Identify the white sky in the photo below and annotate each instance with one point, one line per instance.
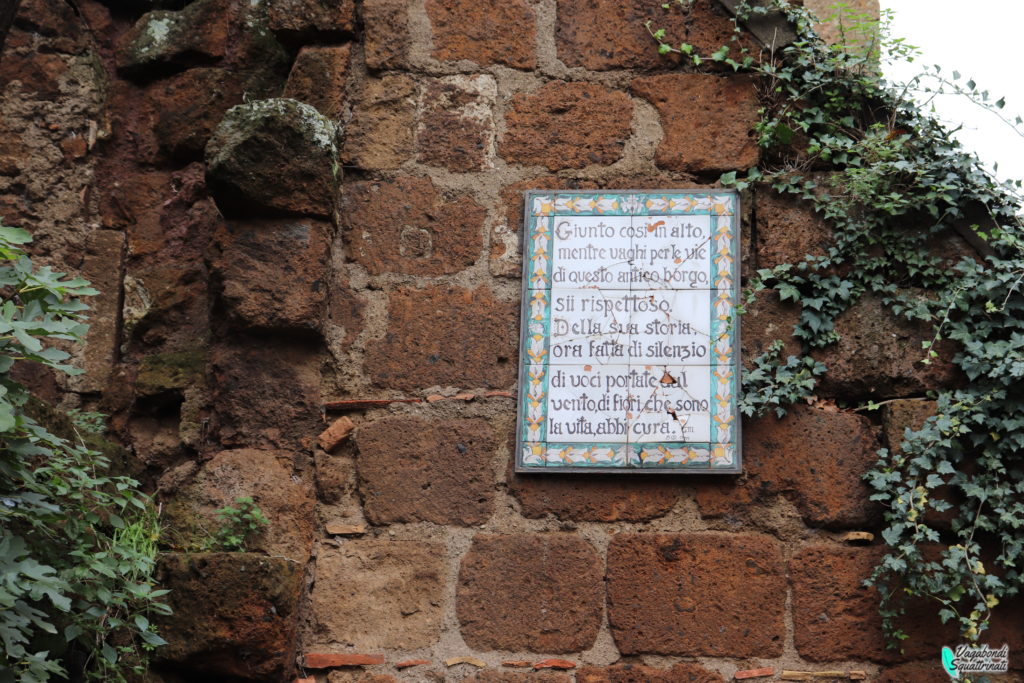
(981, 39)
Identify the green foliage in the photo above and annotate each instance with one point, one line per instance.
(892, 181)
(77, 543)
(239, 524)
(91, 422)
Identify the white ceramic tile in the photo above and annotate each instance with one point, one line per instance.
(591, 252)
(589, 326)
(673, 252)
(674, 405)
(586, 405)
(670, 326)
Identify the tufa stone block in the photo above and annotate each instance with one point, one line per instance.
(445, 473)
(377, 594)
(816, 458)
(684, 672)
(445, 336)
(386, 35)
(456, 128)
(502, 604)
(380, 134)
(311, 21)
(712, 595)
(708, 121)
(486, 33)
(406, 226)
(318, 78)
(234, 615)
(188, 106)
(567, 125)
(275, 154)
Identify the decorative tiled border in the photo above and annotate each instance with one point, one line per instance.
(533, 452)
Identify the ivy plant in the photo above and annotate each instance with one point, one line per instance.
(77, 542)
(891, 181)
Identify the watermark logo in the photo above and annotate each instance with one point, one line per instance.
(974, 659)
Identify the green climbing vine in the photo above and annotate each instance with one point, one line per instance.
(891, 181)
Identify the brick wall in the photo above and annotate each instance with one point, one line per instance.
(329, 324)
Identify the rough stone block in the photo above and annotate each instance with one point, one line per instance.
(234, 615)
(266, 477)
(266, 393)
(814, 457)
(308, 21)
(836, 617)
(709, 595)
(335, 479)
(275, 154)
(377, 594)
(445, 474)
(188, 106)
(380, 133)
(162, 39)
(446, 336)
(589, 499)
(495, 33)
(103, 266)
(767, 320)
(456, 129)
(406, 226)
(534, 593)
(38, 76)
(903, 415)
(273, 274)
(611, 34)
(386, 36)
(878, 356)
(708, 121)
(567, 125)
(318, 78)
(684, 672)
(787, 230)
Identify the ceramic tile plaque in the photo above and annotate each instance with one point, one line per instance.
(629, 343)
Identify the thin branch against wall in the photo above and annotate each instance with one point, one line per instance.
(8, 8)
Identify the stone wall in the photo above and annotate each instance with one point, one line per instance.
(314, 301)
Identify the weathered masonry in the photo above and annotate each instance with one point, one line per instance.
(306, 221)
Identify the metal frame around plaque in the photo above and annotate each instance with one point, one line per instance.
(654, 390)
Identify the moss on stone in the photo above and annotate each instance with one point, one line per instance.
(169, 371)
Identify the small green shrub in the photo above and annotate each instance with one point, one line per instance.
(239, 524)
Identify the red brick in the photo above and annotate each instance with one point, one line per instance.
(319, 660)
(307, 21)
(708, 121)
(554, 664)
(567, 125)
(745, 674)
(380, 134)
(611, 34)
(411, 662)
(445, 336)
(710, 595)
(683, 672)
(788, 230)
(456, 129)
(386, 36)
(446, 473)
(486, 33)
(878, 356)
(589, 499)
(407, 226)
(377, 594)
(318, 78)
(503, 603)
(814, 457)
(235, 615)
(339, 430)
(272, 274)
